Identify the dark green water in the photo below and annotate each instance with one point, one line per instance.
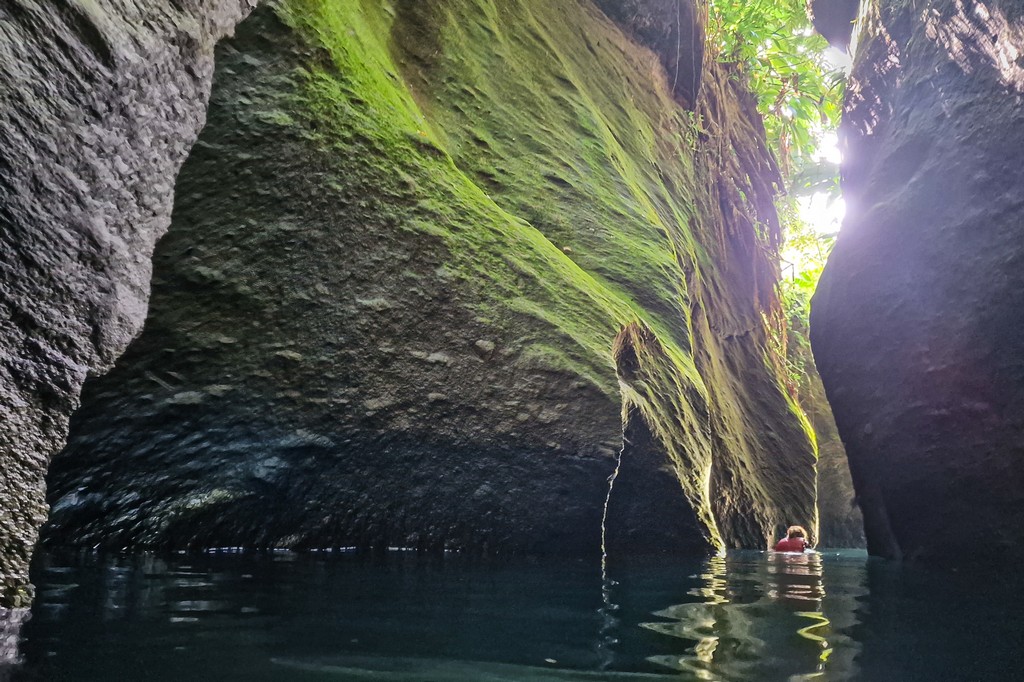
(749, 616)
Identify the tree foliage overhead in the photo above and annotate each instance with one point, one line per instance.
(800, 95)
(774, 44)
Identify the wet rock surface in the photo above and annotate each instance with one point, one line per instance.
(356, 337)
(916, 323)
(99, 104)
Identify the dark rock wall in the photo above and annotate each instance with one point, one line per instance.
(99, 104)
(916, 325)
(759, 433)
(402, 250)
(314, 371)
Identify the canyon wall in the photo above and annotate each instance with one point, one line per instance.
(916, 322)
(99, 105)
(428, 262)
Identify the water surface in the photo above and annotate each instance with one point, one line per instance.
(400, 617)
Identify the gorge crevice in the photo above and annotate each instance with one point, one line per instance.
(489, 364)
(401, 251)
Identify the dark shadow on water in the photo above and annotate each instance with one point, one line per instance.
(746, 616)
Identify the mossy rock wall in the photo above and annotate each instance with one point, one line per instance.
(402, 251)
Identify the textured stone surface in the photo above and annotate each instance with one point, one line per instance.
(11, 622)
(99, 103)
(356, 337)
(916, 325)
(674, 30)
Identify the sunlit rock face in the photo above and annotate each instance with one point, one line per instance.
(99, 104)
(917, 323)
(402, 251)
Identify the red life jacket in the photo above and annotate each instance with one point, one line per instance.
(791, 545)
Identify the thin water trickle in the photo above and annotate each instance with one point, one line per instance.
(606, 640)
(604, 514)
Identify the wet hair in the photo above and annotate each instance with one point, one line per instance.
(796, 532)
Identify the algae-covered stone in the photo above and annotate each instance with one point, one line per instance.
(425, 166)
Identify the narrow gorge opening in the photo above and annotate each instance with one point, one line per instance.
(337, 299)
(436, 267)
(324, 363)
(313, 267)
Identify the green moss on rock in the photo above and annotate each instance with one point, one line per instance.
(449, 211)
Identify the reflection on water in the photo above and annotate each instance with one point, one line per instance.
(760, 617)
(746, 616)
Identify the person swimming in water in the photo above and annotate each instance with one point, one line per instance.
(795, 540)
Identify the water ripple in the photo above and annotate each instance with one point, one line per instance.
(758, 617)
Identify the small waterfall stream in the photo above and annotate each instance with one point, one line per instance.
(606, 640)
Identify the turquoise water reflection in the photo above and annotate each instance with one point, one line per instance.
(763, 617)
(402, 618)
